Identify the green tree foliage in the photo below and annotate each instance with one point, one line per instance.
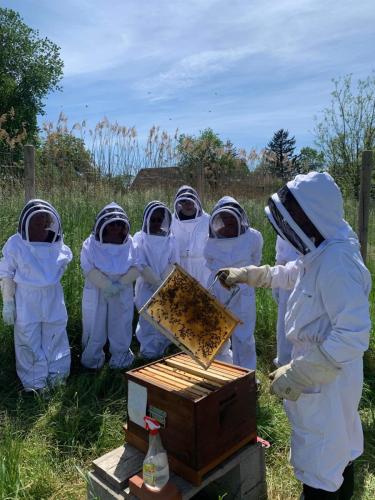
(30, 68)
(309, 159)
(280, 155)
(347, 127)
(65, 155)
(209, 155)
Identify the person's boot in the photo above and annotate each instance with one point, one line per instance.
(310, 493)
(346, 490)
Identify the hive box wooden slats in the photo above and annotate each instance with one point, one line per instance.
(209, 414)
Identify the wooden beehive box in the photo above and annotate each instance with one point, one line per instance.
(185, 312)
(206, 415)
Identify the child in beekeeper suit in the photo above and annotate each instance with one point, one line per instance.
(232, 242)
(156, 252)
(190, 229)
(284, 253)
(109, 266)
(34, 260)
(328, 323)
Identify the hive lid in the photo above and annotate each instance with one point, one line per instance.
(193, 319)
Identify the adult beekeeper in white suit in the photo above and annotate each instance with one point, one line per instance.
(284, 253)
(327, 320)
(34, 260)
(156, 253)
(232, 242)
(109, 265)
(190, 229)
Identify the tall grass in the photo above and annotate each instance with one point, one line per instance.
(47, 445)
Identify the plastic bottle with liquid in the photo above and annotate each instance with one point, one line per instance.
(155, 464)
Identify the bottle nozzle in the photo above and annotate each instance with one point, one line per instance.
(152, 425)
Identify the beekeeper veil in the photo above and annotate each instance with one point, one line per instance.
(229, 201)
(157, 219)
(45, 215)
(187, 205)
(307, 211)
(109, 214)
(227, 222)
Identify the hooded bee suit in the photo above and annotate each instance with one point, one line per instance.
(243, 249)
(155, 254)
(191, 234)
(107, 310)
(327, 321)
(40, 338)
(284, 253)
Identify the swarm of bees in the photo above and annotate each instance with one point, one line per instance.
(184, 310)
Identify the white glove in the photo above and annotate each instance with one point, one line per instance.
(8, 290)
(275, 294)
(9, 312)
(99, 279)
(315, 368)
(167, 271)
(252, 275)
(129, 277)
(112, 290)
(150, 277)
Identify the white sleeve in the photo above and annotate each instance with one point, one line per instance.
(8, 263)
(86, 262)
(285, 276)
(345, 297)
(258, 247)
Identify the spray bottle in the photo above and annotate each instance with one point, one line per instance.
(155, 464)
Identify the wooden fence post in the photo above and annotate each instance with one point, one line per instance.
(364, 201)
(29, 166)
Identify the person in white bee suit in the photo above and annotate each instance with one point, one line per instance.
(327, 321)
(190, 229)
(232, 242)
(156, 253)
(284, 253)
(109, 265)
(34, 260)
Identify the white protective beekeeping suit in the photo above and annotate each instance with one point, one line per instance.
(327, 321)
(191, 234)
(155, 254)
(40, 317)
(242, 250)
(108, 304)
(284, 253)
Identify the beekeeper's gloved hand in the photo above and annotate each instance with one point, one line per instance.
(166, 272)
(129, 277)
(9, 312)
(8, 289)
(275, 294)
(150, 277)
(112, 290)
(315, 368)
(101, 281)
(252, 275)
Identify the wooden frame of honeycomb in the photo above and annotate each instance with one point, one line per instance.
(193, 319)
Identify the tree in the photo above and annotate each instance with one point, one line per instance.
(280, 154)
(347, 127)
(66, 155)
(30, 68)
(207, 154)
(309, 159)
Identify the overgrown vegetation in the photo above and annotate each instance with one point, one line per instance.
(46, 446)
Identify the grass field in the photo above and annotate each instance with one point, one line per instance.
(46, 446)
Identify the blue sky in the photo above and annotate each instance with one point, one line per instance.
(244, 68)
